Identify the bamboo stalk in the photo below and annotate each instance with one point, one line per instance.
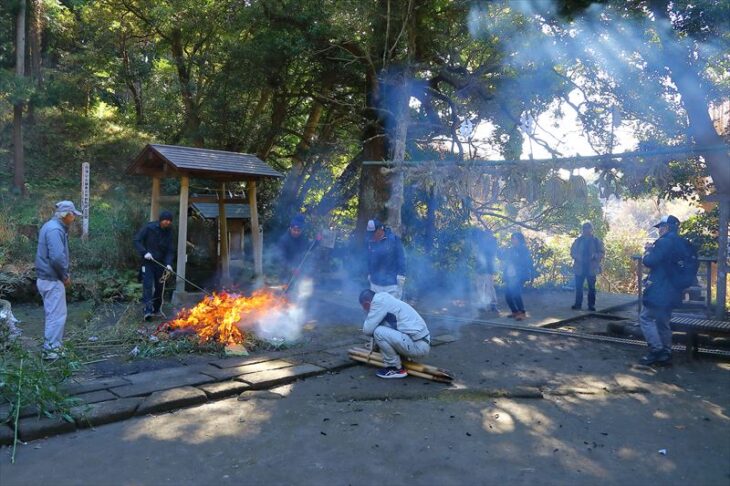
(416, 366)
(419, 374)
(409, 365)
(17, 413)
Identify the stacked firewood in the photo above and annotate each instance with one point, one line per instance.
(414, 369)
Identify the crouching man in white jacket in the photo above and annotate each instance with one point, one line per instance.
(397, 329)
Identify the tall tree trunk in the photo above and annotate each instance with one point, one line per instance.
(289, 190)
(688, 81)
(187, 91)
(18, 153)
(131, 83)
(395, 201)
(279, 111)
(35, 32)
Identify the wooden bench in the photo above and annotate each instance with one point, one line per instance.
(694, 326)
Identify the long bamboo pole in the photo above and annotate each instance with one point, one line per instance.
(410, 365)
(380, 364)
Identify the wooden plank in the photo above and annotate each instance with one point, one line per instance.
(155, 199)
(223, 237)
(256, 239)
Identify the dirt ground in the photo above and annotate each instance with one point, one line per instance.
(600, 420)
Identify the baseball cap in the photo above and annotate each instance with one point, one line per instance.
(373, 224)
(667, 220)
(67, 207)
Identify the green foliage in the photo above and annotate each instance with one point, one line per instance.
(701, 231)
(26, 380)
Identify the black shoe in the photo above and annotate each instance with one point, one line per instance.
(660, 358)
(575, 307)
(591, 308)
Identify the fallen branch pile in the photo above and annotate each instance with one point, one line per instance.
(414, 369)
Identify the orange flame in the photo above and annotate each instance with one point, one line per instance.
(221, 316)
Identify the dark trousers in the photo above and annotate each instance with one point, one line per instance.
(591, 279)
(152, 287)
(513, 296)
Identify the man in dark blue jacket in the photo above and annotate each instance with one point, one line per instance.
(386, 260)
(154, 243)
(292, 246)
(660, 295)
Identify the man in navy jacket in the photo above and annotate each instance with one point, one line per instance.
(386, 260)
(154, 243)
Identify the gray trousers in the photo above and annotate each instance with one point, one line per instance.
(393, 344)
(54, 304)
(655, 324)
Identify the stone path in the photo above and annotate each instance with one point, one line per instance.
(108, 400)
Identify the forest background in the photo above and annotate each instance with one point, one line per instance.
(318, 89)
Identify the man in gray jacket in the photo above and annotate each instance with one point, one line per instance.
(52, 270)
(398, 330)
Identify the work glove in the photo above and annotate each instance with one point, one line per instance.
(401, 279)
(169, 268)
(148, 256)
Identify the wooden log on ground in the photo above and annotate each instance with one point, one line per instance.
(407, 364)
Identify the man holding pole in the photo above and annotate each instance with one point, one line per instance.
(397, 329)
(154, 243)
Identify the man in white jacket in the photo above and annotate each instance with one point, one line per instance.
(398, 330)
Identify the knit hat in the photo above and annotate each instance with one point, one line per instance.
(165, 215)
(297, 221)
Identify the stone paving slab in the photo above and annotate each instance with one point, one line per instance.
(226, 373)
(33, 428)
(164, 401)
(224, 389)
(6, 435)
(24, 412)
(152, 381)
(443, 339)
(248, 360)
(96, 396)
(328, 361)
(269, 378)
(105, 412)
(94, 385)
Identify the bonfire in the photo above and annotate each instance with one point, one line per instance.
(223, 317)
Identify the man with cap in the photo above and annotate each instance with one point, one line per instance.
(154, 243)
(587, 252)
(292, 248)
(52, 264)
(660, 295)
(386, 260)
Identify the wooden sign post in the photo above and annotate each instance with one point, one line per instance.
(85, 174)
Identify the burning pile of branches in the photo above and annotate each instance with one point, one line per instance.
(222, 317)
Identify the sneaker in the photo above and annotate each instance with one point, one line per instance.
(521, 316)
(50, 355)
(391, 372)
(147, 316)
(575, 307)
(591, 308)
(656, 358)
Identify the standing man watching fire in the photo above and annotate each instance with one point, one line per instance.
(386, 260)
(397, 329)
(155, 245)
(587, 252)
(52, 262)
